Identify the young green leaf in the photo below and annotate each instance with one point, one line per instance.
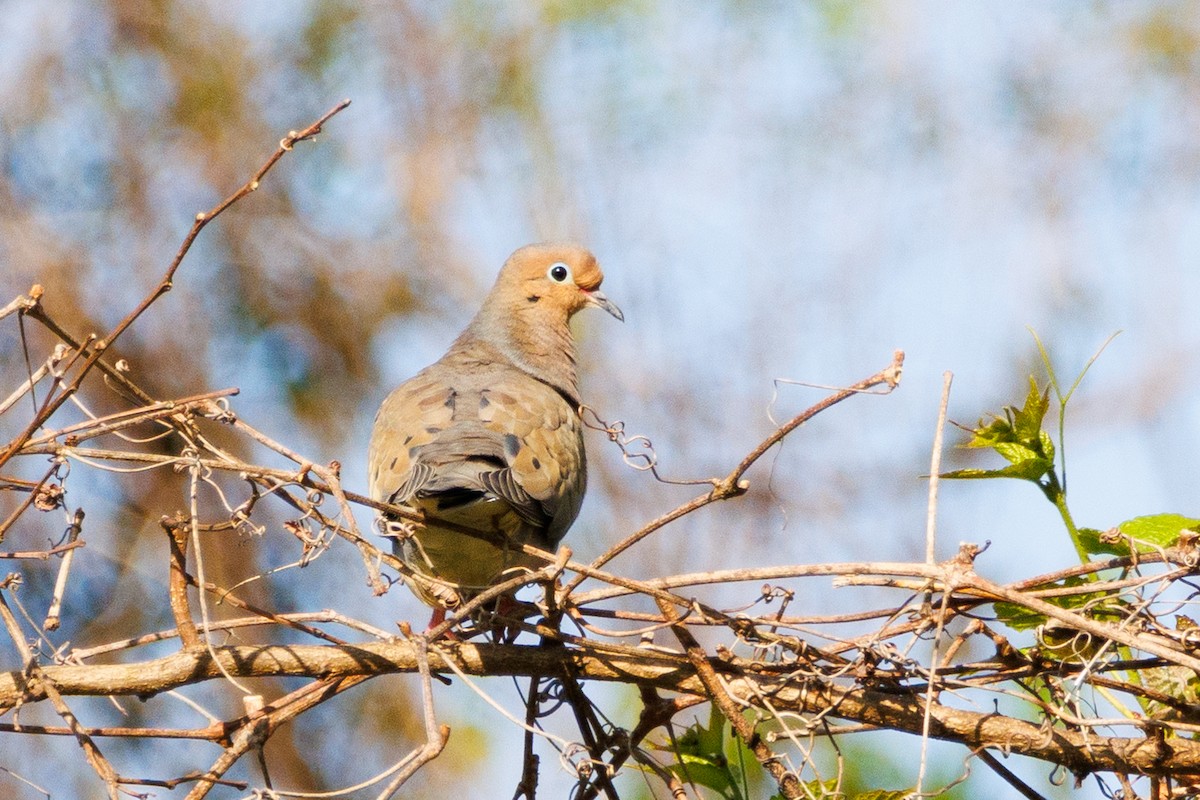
(1096, 543)
(1027, 423)
(1020, 618)
(1148, 534)
(701, 758)
(1018, 438)
(1161, 530)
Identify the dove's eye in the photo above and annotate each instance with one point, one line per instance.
(559, 272)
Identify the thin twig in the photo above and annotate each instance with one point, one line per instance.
(90, 429)
(34, 671)
(789, 784)
(592, 733)
(931, 690)
(177, 582)
(527, 785)
(64, 569)
(254, 730)
(42, 555)
(732, 484)
(22, 303)
(1008, 775)
(260, 618)
(48, 366)
(436, 735)
(34, 493)
(935, 470)
(95, 348)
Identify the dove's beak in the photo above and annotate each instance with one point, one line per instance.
(598, 300)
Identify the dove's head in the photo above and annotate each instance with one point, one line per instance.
(524, 318)
(557, 279)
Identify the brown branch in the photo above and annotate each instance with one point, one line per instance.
(34, 493)
(26, 387)
(210, 733)
(293, 621)
(257, 727)
(732, 484)
(527, 785)
(260, 618)
(94, 349)
(64, 569)
(889, 376)
(1091, 568)
(303, 478)
(33, 672)
(90, 429)
(22, 303)
(768, 574)
(1147, 643)
(158, 675)
(1010, 777)
(899, 710)
(954, 575)
(203, 218)
(595, 741)
(178, 580)
(43, 555)
(436, 735)
(789, 784)
(119, 380)
(656, 712)
(334, 481)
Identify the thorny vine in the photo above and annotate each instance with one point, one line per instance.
(783, 682)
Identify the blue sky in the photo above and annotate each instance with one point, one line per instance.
(775, 190)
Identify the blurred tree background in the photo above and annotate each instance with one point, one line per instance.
(776, 190)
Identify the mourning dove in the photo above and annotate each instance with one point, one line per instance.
(489, 437)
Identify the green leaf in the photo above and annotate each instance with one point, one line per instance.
(1020, 618)
(988, 435)
(700, 756)
(1018, 438)
(1047, 446)
(1159, 529)
(1027, 423)
(976, 474)
(1015, 453)
(1178, 682)
(1148, 534)
(1093, 541)
(1029, 470)
(885, 794)
(700, 740)
(1063, 643)
(825, 788)
(705, 772)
